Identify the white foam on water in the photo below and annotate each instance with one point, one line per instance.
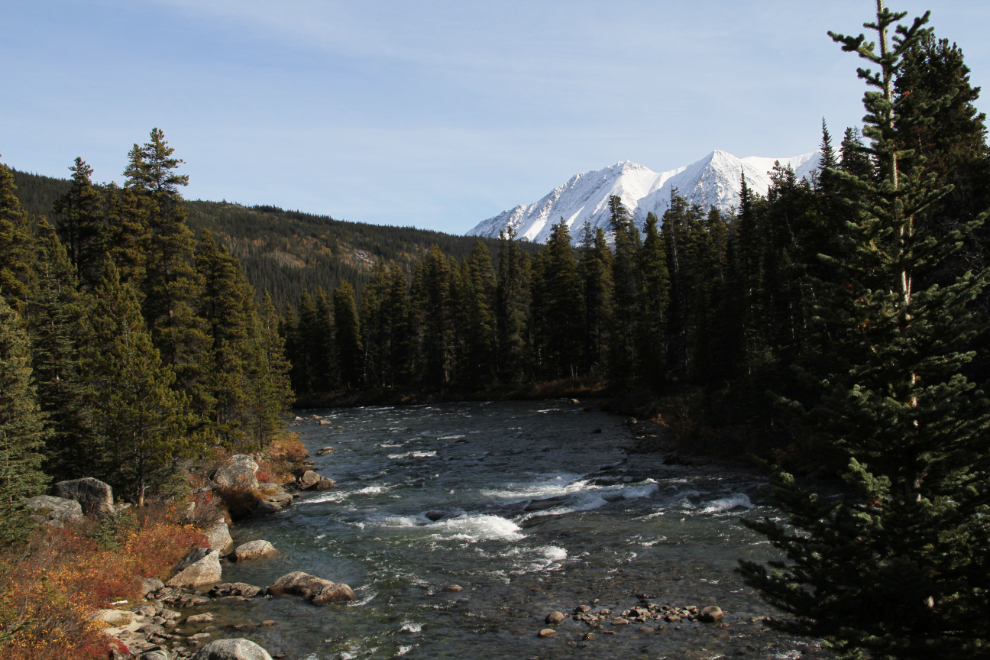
(404, 649)
(410, 627)
(477, 527)
(645, 489)
(451, 437)
(548, 486)
(385, 445)
(733, 501)
(372, 490)
(534, 560)
(413, 454)
(389, 520)
(364, 599)
(334, 496)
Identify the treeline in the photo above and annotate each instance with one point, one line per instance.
(125, 344)
(284, 252)
(724, 302)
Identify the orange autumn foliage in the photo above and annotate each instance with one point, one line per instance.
(50, 588)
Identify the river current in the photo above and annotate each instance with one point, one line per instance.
(530, 510)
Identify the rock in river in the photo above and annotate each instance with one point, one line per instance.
(555, 617)
(232, 649)
(712, 614)
(200, 566)
(254, 550)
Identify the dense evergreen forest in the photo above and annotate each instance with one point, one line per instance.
(125, 344)
(284, 252)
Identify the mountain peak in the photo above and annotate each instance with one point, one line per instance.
(712, 181)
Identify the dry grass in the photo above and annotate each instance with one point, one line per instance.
(49, 588)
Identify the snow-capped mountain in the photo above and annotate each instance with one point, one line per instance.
(712, 181)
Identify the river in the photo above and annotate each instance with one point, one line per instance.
(530, 510)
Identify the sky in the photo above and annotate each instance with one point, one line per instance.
(435, 114)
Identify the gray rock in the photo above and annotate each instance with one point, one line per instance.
(150, 585)
(232, 649)
(55, 511)
(299, 584)
(309, 479)
(238, 472)
(94, 496)
(200, 566)
(254, 550)
(555, 617)
(267, 507)
(338, 593)
(283, 499)
(218, 536)
(155, 654)
(235, 589)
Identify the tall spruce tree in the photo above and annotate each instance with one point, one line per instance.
(81, 224)
(15, 245)
(141, 419)
(273, 387)
(347, 336)
(901, 570)
(22, 429)
(563, 306)
(622, 356)
(654, 299)
(596, 275)
(55, 329)
(510, 310)
(171, 286)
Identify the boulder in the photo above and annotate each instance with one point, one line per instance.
(338, 593)
(281, 498)
(240, 471)
(712, 614)
(235, 589)
(94, 496)
(156, 654)
(267, 507)
(218, 536)
(299, 584)
(554, 617)
(309, 479)
(232, 649)
(55, 511)
(200, 566)
(325, 484)
(254, 550)
(326, 422)
(150, 585)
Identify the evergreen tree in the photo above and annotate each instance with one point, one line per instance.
(15, 245)
(56, 325)
(479, 303)
(622, 356)
(400, 342)
(510, 310)
(81, 224)
(347, 333)
(437, 334)
(375, 323)
(22, 428)
(127, 234)
(563, 309)
(141, 419)
(654, 298)
(273, 387)
(901, 571)
(596, 275)
(171, 286)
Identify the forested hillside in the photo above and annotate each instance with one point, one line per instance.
(285, 252)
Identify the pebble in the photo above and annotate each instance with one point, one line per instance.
(454, 588)
(548, 632)
(555, 617)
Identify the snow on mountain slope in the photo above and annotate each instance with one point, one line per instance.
(712, 181)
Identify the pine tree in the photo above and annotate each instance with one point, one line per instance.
(563, 305)
(654, 299)
(81, 224)
(347, 335)
(400, 341)
(273, 388)
(622, 356)
(901, 570)
(55, 329)
(171, 286)
(479, 305)
(510, 310)
(127, 234)
(141, 419)
(22, 428)
(15, 245)
(436, 319)
(596, 275)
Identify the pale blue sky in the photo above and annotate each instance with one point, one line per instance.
(437, 114)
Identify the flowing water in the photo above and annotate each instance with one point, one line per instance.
(530, 511)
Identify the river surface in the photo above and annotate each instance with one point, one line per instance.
(535, 512)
